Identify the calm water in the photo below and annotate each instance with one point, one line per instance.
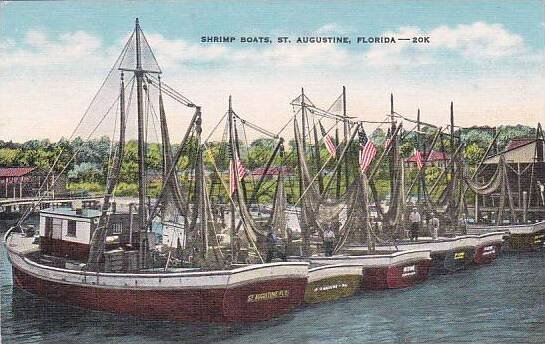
(500, 303)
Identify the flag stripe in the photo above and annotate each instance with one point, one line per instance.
(418, 157)
(367, 154)
(387, 142)
(240, 170)
(329, 144)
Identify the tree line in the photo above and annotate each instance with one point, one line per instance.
(85, 162)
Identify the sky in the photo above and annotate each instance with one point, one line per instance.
(485, 56)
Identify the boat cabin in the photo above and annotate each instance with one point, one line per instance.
(67, 232)
(173, 235)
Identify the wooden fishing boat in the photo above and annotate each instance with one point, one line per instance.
(385, 271)
(447, 254)
(250, 293)
(518, 237)
(332, 282)
(488, 248)
(108, 261)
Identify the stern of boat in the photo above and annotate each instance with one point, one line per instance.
(263, 291)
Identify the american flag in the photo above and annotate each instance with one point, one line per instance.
(329, 144)
(418, 157)
(367, 154)
(240, 170)
(387, 142)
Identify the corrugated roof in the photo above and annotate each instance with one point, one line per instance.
(515, 143)
(6, 172)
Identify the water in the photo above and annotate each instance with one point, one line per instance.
(500, 303)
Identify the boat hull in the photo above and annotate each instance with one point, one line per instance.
(184, 305)
(263, 300)
(486, 254)
(489, 247)
(251, 293)
(526, 237)
(527, 242)
(386, 271)
(458, 259)
(447, 254)
(249, 303)
(394, 277)
(332, 282)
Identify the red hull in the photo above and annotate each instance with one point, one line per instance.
(393, 277)
(246, 303)
(252, 302)
(487, 253)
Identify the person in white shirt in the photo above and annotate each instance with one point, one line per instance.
(541, 191)
(414, 219)
(329, 240)
(434, 224)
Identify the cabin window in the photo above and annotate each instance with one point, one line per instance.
(71, 228)
(117, 228)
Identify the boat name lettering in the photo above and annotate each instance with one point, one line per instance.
(269, 295)
(459, 255)
(489, 250)
(409, 271)
(331, 287)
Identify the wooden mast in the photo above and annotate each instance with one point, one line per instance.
(393, 145)
(345, 127)
(303, 119)
(141, 135)
(232, 166)
(142, 218)
(420, 181)
(338, 175)
(304, 231)
(452, 141)
(318, 160)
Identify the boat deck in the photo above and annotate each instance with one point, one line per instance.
(21, 244)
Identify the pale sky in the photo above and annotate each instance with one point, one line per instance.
(487, 57)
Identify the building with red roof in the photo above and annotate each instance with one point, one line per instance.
(433, 158)
(16, 182)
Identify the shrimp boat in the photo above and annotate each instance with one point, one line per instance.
(348, 214)
(106, 260)
(449, 254)
(518, 237)
(385, 271)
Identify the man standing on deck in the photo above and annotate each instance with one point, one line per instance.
(329, 240)
(414, 218)
(434, 224)
(541, 187)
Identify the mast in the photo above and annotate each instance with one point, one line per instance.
(304, 233)
(392, 144)
(318, 160)
(139, 73)
(303, 120)
(345, 128)
(237, 150)
(420, 186)
(232, 166)
(338, 176)
(452, 142)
